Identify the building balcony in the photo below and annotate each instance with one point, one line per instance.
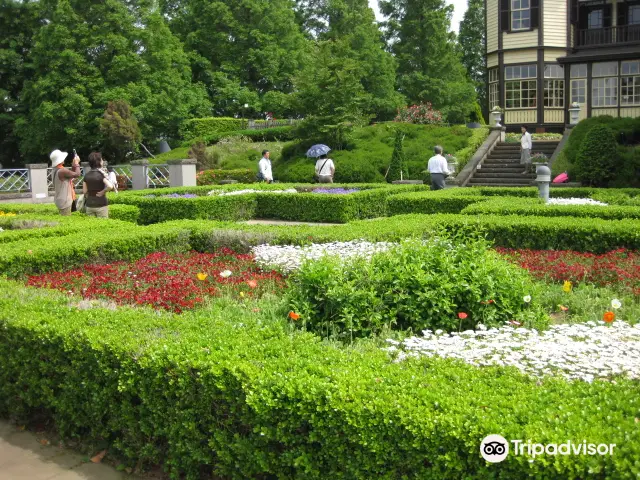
(598, 37)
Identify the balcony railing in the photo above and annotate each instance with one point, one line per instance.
(594, 37)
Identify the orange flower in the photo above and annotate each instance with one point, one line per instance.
(252, 283)
(202, 276)
(563, 308)
(294, 316)
(609, 317)
(462, 315)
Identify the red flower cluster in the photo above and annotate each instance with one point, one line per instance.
(617, 269)
(174, 282)
(420, 114)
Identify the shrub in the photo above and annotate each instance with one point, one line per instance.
(396, 167)
(275, 134)
(463, 155)
(213, 177)
(422, 114)
(126, 213)
(419, 285)
(203, 127)
(205, 159)
(120, 130)
(596, 160)
(430, 203)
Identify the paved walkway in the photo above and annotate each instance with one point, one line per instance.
(24, 457)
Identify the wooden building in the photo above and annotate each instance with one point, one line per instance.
(543, 55)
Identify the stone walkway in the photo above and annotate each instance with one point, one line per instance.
(24, 457)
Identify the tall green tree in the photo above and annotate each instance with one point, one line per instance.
(241, 49)
(18, 24)
(473, 42)
(89, 53)
(429, 67)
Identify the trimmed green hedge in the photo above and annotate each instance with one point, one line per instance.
(513, 206)
(230, 393)
(156, 210)
(213, 177)
(126, 213)
(430, 202)
(204, 127)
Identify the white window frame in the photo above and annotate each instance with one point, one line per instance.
(553, 94)
(600, 86)
(494, 88)
(630, 84)
(521, 14)
(521, 78)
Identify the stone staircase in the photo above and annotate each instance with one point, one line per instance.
(502, 167)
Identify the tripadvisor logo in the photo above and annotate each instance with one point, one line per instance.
(495, 448)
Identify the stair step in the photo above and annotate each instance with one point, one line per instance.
(501, 161)
(504, 176)
(501, 181)
(499, 171)
(488, 184)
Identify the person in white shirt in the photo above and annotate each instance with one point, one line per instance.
(525, 149)
(438, 169)
(325, 169)
(113, 179)
(264, 168)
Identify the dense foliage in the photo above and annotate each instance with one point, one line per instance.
(596, 161)
(441, 284)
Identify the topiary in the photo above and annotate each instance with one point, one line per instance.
(597, 157)
(396, 168)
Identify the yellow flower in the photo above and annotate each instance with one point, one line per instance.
(567, 286)
(241, 294)
(202, 276)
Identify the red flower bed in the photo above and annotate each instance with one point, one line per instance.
(174, 282)
(617, 269)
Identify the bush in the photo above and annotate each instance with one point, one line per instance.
(275, 134)
(206, 160)
(126, 213)
(463, 155)
(213, 177)
(419, 285)
(513, 206)
(422, 114)
(429, 203)
(228, 393)
(396, 167)
(203, 127)
(596, 158)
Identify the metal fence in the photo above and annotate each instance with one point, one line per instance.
(15, 180)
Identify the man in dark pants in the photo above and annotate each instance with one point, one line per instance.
(438, 169)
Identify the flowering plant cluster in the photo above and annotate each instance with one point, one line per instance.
(618, 269)
(539, 158)
(7, 214)
(336, 191)
(174, 195)
(422, 114)
(171, 282)
(585, 351)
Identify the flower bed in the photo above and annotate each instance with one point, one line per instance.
(173, 195)
(171, 282)
(617, 269)
(336, 191)
(247, 191)
(576, 352)
(576, 201)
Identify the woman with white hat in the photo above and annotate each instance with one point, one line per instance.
(65, 192)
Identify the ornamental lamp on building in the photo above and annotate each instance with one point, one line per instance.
(574, 113)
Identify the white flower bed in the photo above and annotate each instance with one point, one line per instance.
(575, 201)
(222, 193)
(290, 257)
(577, 352)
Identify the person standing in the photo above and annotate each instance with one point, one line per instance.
(526, 145)
(63, 187)
(264, 168)
(325, 169)
(95, 187)
(113, 179)
(438, 169)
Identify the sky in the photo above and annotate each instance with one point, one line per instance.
(460, 6)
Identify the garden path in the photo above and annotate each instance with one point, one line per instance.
(25, 455)
(286, 223)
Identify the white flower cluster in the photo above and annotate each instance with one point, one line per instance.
(575, 201)
(290, 257)
(585, 351)
(223, 193)
(1, 229)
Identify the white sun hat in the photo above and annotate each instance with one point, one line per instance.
(57, 157)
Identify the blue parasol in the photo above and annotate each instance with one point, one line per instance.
(317, 150)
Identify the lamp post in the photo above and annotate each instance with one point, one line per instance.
(574, 113)
(543, 180)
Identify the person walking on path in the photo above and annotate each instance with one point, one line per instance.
(325, 169)
(438, 169)
(63, 187)
(95, 187)
(264, 168)
(525, 149)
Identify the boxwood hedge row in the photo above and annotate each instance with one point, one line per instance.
(228, 392)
